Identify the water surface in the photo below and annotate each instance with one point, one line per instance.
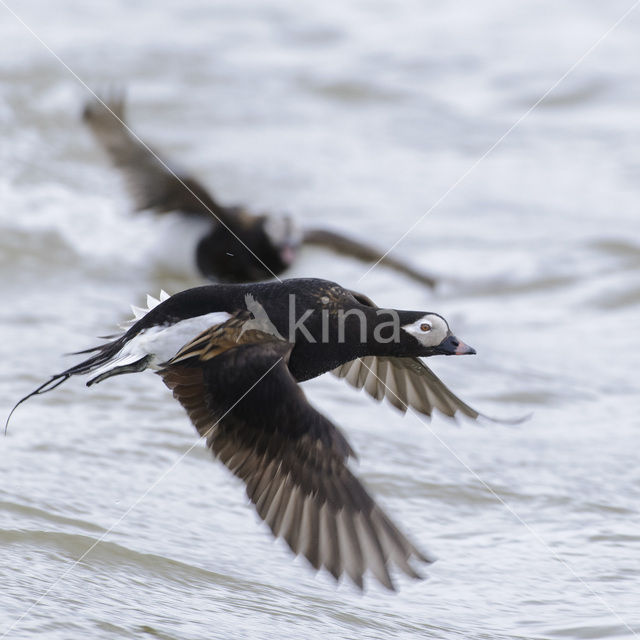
(361, 116)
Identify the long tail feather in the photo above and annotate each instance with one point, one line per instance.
(91, 349)
(102, 354)
(49, 385)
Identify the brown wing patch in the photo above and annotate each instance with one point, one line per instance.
(217, 339)
(291, 458)
(188, 388)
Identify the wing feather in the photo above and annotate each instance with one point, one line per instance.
(344, 245)
(404, 382)
(291, 458)
(151, 182)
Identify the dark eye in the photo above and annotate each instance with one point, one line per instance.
(425, 326)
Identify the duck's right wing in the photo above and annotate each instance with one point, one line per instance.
(344, 245)
(404, 382)
(409, 383)
(152, 183)
(239, 393)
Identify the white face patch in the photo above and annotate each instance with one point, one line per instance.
(430, 330)
(283, 231)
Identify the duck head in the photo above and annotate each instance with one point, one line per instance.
(429, 334)
(284, 237)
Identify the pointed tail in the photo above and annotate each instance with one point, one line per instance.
(104, 353)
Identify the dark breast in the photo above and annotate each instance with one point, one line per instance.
(310, 361)
(319, 347)
(242, 254)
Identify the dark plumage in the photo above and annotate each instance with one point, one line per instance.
(233, 355)
(239, 246)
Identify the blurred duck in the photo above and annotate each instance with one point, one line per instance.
(221, 350)
(233, 245)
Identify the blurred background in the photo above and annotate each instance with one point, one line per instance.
(358, 116)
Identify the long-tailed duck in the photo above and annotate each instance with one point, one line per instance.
(233, 355)
(232, 244)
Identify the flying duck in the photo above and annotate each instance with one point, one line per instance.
(233, 355)
(234, 245)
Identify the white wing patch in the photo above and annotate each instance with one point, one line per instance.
(140, 312)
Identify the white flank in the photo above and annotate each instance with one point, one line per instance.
(162, 342)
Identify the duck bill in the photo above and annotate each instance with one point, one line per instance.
(452, 346)
(287, 254)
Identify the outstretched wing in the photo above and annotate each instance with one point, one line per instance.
(405, 382)
(151, 182)
(355, 249)
(240, 395)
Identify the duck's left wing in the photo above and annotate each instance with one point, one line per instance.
(151, 181)
(404, 382)
(239, 393)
